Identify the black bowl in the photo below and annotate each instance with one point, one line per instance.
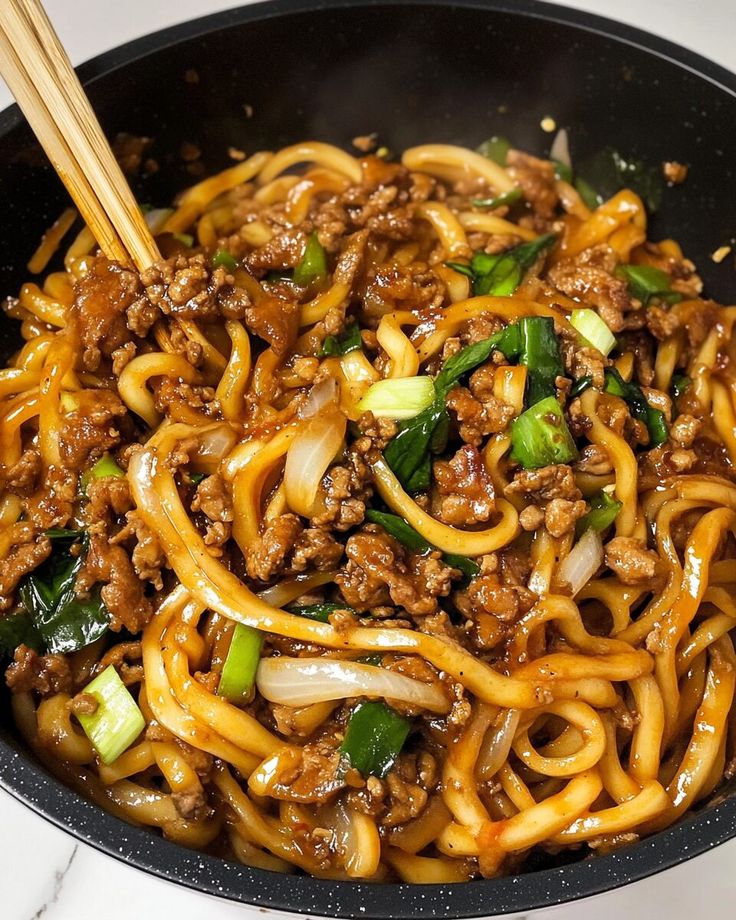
(413, 72)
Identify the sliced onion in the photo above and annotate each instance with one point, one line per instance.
(213, 445)
(560, 149)
(302, 681)
(497, 744)
(322, 394)
(583, 561)
(310, 453)
(156, 218)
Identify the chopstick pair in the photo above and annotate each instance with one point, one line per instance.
(40, 76)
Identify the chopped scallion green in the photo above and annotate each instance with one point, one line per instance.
(633, 396)
(186, 239)
(603, 512)
(106, 467)
(563, 171)
(342, 344)
(504, 199)
(540, 354)
(117, 721)
(313, 264)
(496, 149)
(580, 386)
(540, 436)
(592, 328)
(680, 384)
(239, 671)
(647, 282)
(319, 612)
(223, 259)
(374, 738)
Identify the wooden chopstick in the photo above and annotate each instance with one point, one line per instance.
(39, 74)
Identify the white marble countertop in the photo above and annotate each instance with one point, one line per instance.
(43, 872)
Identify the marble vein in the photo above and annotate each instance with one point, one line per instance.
(59, 878)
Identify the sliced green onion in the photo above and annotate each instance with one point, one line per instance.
(603, 512)
(633, 396)
(680, 384)
(398, 397)
(540, 436)
(646, 282)
(239, 671)
(186, 239)
(540, 353)
(313, 264)
(590, 197)
(374, 738)
(505, 198)
(580, 386)
(342, 344)
(196, 478)
(104, 468)
(562, 170)
(593, 330)
(117, 721)
(496, 149)
(319, 612)
(222, 258)
(499, 274)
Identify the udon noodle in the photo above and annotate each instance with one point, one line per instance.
(385, 529)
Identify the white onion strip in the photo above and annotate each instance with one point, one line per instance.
(583, 561)
(303, 681)
(310, 453)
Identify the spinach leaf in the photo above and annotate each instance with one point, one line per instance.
(608, 171)
(347, 341)
(65, 622)
(18, 629)
(500, 274)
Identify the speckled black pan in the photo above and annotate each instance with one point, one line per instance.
(414, 72)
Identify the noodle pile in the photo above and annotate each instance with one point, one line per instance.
(197, 442)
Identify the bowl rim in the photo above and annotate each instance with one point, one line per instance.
(29, 783)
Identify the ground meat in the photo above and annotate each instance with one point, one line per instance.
(281, 252)
(46, 674)
(286, 546)
(312, 773)
(545, 484)
(122, 591)
(22, 558)
(22, 478)
(662, 323)
(630, 560)
(147, 556)
(589, 279)
(102, 297)
(186, 287)
(91, 429)
(642, 347)
(402, 287)
(378, 572)
(594, 460)
(684, 430)
(584, 362)
(122, 356)
(464, 490)
(351, 258)
(537, 180)
(475, 418)
(53, 504)
(347, 488)
(213, 498)
(560, 515)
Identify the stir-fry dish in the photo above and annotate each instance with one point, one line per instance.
(384, 529)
